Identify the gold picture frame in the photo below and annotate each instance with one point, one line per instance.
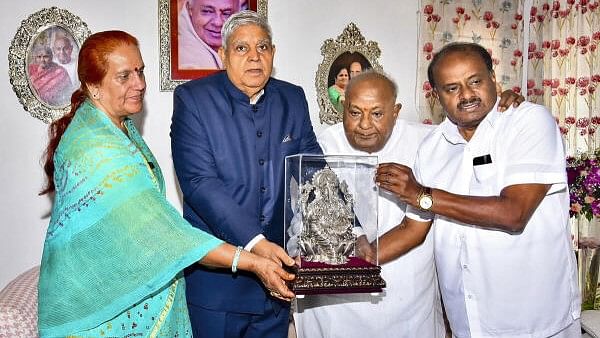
(44, 91)
(350, 46)
(171, 74)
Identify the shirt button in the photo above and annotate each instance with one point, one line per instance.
(465, 266)
(261, 161)
(259, 133)
(469, 296)
(263, 189)
(261, 218)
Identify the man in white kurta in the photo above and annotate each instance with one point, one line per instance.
(62, 49)
(496, 283)
(409, 306)
(193, 52)
(498, 188)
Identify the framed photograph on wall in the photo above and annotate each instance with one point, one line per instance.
(349, 54)
(43, 61)
(190, 36)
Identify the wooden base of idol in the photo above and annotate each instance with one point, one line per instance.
(355, 276)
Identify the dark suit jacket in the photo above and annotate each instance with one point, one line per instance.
(229, 159)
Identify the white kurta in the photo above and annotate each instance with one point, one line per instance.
(497, 284)
(71, 69)
(194, 53)
(409, 307)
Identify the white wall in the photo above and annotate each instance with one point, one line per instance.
(299, 29)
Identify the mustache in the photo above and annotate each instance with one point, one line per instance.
(461, 105)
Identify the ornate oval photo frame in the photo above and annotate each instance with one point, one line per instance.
(36, 34)
(349, 47)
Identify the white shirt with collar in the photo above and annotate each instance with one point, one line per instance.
(496, 284)
(409, 306)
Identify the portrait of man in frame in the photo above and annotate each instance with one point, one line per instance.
(190, 36)
(199, 24)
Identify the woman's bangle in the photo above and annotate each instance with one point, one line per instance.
(236, 259)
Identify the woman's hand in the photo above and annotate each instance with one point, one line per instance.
(272, 251)
(268, 269)
(273, 276)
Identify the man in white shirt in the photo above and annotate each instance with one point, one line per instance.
(495, 187)
(410, 306)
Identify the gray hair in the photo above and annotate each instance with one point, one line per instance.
(372, 74)
(243, 18)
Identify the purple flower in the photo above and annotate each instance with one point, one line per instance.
(572, 174)
(592, 181)
(583, 177)
(595, 206)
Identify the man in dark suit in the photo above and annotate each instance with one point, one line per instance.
(230, 134)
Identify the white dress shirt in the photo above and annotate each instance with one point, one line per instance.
(409, 306)
(496, 284)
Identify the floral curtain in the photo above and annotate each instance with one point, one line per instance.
(564, 67)
(496, 25)
(563, 73)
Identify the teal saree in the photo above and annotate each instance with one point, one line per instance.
(335, 98)
(115, 247)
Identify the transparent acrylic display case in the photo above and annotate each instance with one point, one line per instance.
(331, 201)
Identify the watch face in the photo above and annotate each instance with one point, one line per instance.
(425, 202)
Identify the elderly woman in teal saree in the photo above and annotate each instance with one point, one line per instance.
(115, 247)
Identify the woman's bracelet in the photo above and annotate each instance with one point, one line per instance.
(236, 259)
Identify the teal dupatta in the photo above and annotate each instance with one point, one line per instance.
(113, 240)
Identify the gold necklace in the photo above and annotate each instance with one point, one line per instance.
(123, 126)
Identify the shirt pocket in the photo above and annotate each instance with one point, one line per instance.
(484, 180)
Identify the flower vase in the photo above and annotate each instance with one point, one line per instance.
(589, 261)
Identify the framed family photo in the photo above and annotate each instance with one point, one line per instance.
(349, 54)
(43, 61)
(190, 36)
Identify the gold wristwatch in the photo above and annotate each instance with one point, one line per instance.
(425, 200)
